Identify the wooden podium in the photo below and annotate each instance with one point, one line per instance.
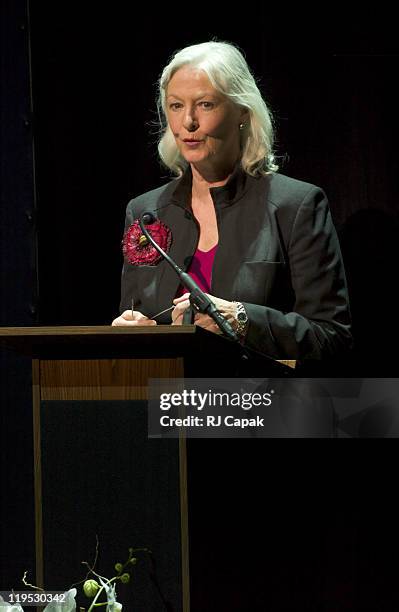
(77, 369)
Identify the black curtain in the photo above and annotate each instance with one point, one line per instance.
(18, 303)
(329, 82)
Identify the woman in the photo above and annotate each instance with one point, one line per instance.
(261, 244)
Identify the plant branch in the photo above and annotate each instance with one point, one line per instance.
(30, 585)
(90, 568)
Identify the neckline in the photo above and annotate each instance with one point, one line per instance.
(225, 195)
(210, 250)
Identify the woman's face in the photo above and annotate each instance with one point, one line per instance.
(204, 122)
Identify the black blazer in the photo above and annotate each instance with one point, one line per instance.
(278, 254)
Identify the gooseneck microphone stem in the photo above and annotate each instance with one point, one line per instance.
(198, 298)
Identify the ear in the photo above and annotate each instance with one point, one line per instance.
(244, 115)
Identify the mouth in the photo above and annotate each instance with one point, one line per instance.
(192, 143)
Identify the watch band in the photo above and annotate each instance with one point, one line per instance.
(241, 319)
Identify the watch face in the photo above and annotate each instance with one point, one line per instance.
(241, 316)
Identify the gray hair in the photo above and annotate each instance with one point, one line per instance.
(228, 72)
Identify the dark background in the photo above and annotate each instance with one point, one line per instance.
(77, 142)
(329, 79)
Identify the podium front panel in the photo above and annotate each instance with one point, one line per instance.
(99, 476)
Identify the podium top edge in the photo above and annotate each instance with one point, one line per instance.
(195, 345)
(95, 330)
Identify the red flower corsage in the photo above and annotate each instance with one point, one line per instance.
(138, 250)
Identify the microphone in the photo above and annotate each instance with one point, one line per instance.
(198, 299)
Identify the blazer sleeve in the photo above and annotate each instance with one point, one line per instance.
(129, 287)
(319, 324)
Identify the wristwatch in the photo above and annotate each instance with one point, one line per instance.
(241, 318)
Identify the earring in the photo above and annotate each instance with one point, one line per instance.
(241, 126)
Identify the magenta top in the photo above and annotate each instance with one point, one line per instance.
(200, 270)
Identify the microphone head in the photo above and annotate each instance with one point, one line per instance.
(148, 218)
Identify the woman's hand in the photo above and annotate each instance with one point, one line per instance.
(228, 310)
(127, 319)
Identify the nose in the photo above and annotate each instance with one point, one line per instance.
(190, 121)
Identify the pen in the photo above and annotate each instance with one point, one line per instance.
(158, 313)
(163, 311)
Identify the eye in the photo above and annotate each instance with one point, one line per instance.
(207, 105)
(175, 106)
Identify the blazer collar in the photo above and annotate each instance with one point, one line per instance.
(223, 196)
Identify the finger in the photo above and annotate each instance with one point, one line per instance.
(121, 322)
(137, 315)
(181, 298)
(143, 322)
(211, 327)
(127, 315)
(178, 320)
(203, 319)
(207, 323)
(179, 309)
